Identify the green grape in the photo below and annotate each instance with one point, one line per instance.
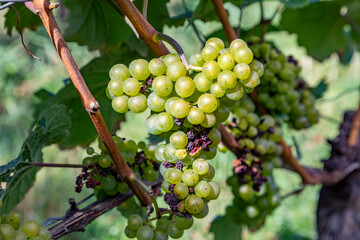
(123, 187)
(90, 150)
(243, 55)
(130, 233)
(202, 83)
(89, 160)
(209, 120)
(246, 192)
(108, 94)
(209, 53)
(134, 222)
(150, 174)
(211, 70)
(30, 228)
(183, 222)
(179, 139)
(209, 175)
(215, 42)
(120, 104)
(226, 61)
(162, 86)
(235, 44)
(44, 233)
(15, 216)
(222, 113)
(36, 238)
(104, 161)
(115, 87)
(160, 235)
(215, 136)
(174, 232)
(196, 60)
(242, 71)
(257, 67)
(217, 90)
(267, 121)
(195, 116)
(203, 213)
(252, 211)
(170, 154)
(157, 67)
(194, 204)
(215, 191)
(165, 187)
(162, 224)
(170, 58)
(190, 177)
(159, 154)
(19, 235)
(207, 103)
(108, 183)
(252, 81)
(139, 69)
(138, 103)
(169, 102)
(119, 71)
(202, 189)
(175, 70)
(185, 87)
(145, 233)
(179, 108)
(151, 124)
(156, 103)
(226, 79)
(131, 86)
(119, 142)
(201, 166)
(174, 176)
(7, 231)
(181, 190)
(224, 50)
(6, 218)
(235, 93)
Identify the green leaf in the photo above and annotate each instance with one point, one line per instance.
(95, 24)
(319, 90)
(19, 174)
(27, 19)
(319, 27)
(205, 11)
(224, 228)
(295, 3)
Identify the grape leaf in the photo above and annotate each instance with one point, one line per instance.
(224, 228)
(321, 30)
(95, 24)
(319, 90)
(18, 175)
(96, 76)
(27, 19)
(295, 3)
(205, 11)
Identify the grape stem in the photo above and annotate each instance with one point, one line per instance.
(355, 130)
(88, 101)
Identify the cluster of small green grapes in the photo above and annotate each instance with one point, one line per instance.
(259, 139)
(11, 228)
(283, 91)
(189, 188)
(251, 207)
(167, 226)
(100, 173)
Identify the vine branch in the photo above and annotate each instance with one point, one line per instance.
(355, 129)
(43, 8)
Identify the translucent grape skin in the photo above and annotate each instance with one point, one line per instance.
(164, 122)
(138, 103)
(209, 53)
(174, 176)
(7, 231)
(134, 222)
(215, 42)
(145, 233)
(179, 108)
(179, 139)
(119, 71)
(211, 69)
(226, 79)
(120, 104)
(202, 83)
(170, 58)
(174, 231)
(190, 177)
(30, 228)
(157, 67)
(181, 190)
(194, 204)
(207, 103)
(209, 120)
(139, 69)
(202, 189)
(201, 166)
(242, 71)
(226, 61)
(151, 126)
(236, 44)
(243, 55)
(175, 70)
(162, 223)
(185, 87)
(183, 223)
(217, 90)
(162, 86)
(195, 116)
(156, 103)
(131, 86)
(115, 87)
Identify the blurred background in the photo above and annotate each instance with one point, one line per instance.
(21, 76)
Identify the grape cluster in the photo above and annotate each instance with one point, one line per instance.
(167, 226)
(251, 207)
(12, 228)
(100, 173)
(259, 139)
(283, 91)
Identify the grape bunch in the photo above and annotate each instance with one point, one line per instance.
(166, 226)
(251, 207)
(12, 228)
(258, 138)
(100, 173)
(283, 92)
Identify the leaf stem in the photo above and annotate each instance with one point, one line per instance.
(58, 165)
(145, 8)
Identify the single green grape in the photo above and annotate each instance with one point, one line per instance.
(15, 216)
(215, 136)
(179, 139)
(190, 177)
(246, 192)
(30, 228)
(145, 233)
(202, 189)
(160, 235)
(139, 69)
(211, 69)
(134, 222)
(207, 103)
(19, 235)
(90, 150)
(181, 190)
(162, 86)
(156, 103)
(217, 90)
(252, 81)
(243, 55)
(159, 155)
(201, 166)
(150, 174)
(131, 86)
(169, 102)
(138, 103)
(129, 233)
(164, 122)
(209, 175)
(195, 116)
(175, 70)
(209, 120)
(151, 125)
(226, 79)
(235, 93)
(203, 213)
(170, 58)
(235, 44)
(185, 87)
(120, 104)
(157, 67)
(194, 204)
(174, 232)
(252, 211)
(119, 71)
(196, 60)
(215, 191)
(215, 42)
(202, 83)
(209, 53)
(179, 108)
(226, 61)
(44, 233)
(242, 71)
(115, 87)
(123, 187)
(257, 67)
(183, 222)
(104, 161)
(162, 223)
(174, 176)
(222, 113)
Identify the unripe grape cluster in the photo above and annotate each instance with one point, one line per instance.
(283, 92)
(167, 226)
(13, 228)
(99, 171)
(258, 138)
